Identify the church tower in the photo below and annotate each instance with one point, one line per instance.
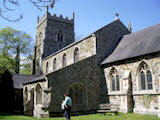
(53, 33)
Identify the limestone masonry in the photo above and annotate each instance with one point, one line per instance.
(111, 65)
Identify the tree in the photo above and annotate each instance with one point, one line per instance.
(26, 65)
(6, 36)
(20, 47)
(11, 5)
(6, 63)
(15, 44)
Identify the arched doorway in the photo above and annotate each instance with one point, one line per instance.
(77, 93)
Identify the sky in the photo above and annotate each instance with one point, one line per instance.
(90, 15)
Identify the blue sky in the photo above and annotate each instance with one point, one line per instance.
(90, 15)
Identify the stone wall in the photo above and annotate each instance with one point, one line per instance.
(57, 25)
(144, 101)
(107, 38)
(86, 73)
(86, 49)
(47, 41)
(41, 29)
(28, 106)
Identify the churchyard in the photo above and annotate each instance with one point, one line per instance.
(107, 116)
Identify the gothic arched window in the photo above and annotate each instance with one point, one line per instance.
(54, 64)
(114, 78)
(145, 76)
(25, 95)
(76, 54)
(38, 94)
(47, 67)
(64, 60)
(60, 36)
(117, 80)
(149, 79)
(143, 80)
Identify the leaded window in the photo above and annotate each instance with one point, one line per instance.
(145, 76)
(149, 79)
(143, 80)
(115, 83)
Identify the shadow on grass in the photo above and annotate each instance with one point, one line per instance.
(4, 115)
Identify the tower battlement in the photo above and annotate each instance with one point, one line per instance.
(55, 17)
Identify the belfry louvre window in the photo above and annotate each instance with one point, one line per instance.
(60, 36)
(76, 55)
(64, 60)
(145, 76)
(54, 64)
(40, 37)
(114, 78)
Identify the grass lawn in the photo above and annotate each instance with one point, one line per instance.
(129, 116)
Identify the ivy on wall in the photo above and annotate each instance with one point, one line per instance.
(147, 100)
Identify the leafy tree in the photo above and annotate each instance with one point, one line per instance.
(26, 65)
(15, 44)
(20, 47)
(6, 35)
(6, 63)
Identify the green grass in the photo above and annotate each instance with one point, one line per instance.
(129, 116)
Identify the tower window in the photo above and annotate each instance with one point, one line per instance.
(60, 36)
(40, 37)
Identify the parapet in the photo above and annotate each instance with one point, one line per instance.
(55, 17)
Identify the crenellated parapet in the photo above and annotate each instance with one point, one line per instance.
(55, 17)
(40, 20)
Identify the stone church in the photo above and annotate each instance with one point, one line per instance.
(111, 65)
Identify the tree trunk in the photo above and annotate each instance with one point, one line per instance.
(17, 59)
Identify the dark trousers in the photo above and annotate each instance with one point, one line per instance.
(67, 112)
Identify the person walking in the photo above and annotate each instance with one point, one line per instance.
(66, 106)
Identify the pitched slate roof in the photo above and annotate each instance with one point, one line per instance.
(20, 79)
(136, 44)
(36, 79)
